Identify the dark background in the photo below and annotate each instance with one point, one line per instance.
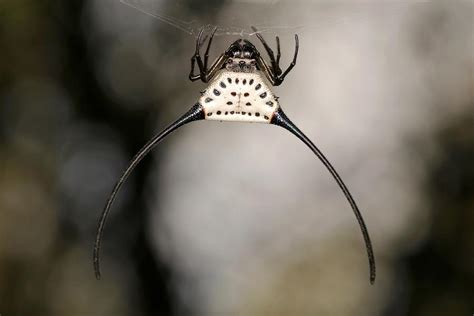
(65, 136)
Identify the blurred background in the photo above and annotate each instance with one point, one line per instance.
(229, 218)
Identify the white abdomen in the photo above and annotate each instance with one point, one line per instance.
(238, 96)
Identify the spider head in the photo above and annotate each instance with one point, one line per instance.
(243, 49)
(242, 56)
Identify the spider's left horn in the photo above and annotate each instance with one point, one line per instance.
(194, 114)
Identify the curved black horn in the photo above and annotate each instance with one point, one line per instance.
(282, 120)
(194, 114)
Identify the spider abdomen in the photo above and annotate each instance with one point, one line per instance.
(240, 97)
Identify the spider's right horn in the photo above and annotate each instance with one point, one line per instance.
(194, 114)
(282, 120)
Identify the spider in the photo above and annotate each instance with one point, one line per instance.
(238, 91)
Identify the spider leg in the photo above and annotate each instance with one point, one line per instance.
(206, 55)
(196, 58)
(282, 120)
(194, 114)
(278, 55)
(293, 63)
(197, 55)
(192, 76)
(267, 70)
(216, 66)
(205, 74)
(268, 49)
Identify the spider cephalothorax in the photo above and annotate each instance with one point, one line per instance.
(241, 56)
(242, 48)
(239, 89)
(248, 56)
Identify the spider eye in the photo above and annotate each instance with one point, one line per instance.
(233, 51)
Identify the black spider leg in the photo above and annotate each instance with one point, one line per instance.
(206, 54)
(274, 72)
(278, 54)
(194, 114)
(275, 67)
(293, 62)
(196, 57)
(267, 70)
(205, 74)
(282, 120)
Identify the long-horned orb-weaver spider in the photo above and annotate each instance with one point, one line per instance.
(239, 90)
